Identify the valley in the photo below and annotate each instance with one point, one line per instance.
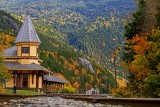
(88, 28)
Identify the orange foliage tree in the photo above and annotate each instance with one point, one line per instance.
(145, 64)
(76, 85)
(84, 71)
(141, 44)
(76, 72)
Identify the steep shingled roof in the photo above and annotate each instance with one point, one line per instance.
(27, 33)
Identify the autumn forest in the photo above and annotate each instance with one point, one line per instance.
(110, 44)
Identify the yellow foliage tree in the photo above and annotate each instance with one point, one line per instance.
(5, 41)
(4, 74)
(142, 45)
(98, 71)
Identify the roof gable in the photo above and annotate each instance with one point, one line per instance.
(27, 32)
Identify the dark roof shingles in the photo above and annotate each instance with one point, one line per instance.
(53, 78)
(18, 66)
(27, 33)
(33, 66)
(12, 51)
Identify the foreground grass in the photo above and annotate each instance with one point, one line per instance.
(23, 92)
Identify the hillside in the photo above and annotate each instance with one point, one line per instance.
(64, 59)
(92, 26)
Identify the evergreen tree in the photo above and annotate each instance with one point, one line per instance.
(141, 56)
(133, 28)
(158, 17)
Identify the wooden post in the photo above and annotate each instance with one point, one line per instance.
(44, 87)
(14, 76)
(60, 88)
(54, 88)
(37, 81)
(51, 87)
(48, 86)
(14, 85)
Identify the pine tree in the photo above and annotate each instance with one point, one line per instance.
(133, 28)
(158, 17)
(141, 56)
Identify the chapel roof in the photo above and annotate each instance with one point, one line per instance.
(11, 52)
(53, 78)
(17, 66)
(27, 32)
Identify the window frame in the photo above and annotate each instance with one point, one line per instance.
(27, 51)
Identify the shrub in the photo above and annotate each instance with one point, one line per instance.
(1, 89)
(122, 92)
(69, 89)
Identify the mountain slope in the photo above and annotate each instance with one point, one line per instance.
(77, 19)
(65, 59)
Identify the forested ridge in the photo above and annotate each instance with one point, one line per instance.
(83, 22)
(70, 30)
(93, 32)
(97, 33)
(64, 59)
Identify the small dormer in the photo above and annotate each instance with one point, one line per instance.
(27, 40)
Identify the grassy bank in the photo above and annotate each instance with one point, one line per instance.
(22, 92)
(8, 95)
